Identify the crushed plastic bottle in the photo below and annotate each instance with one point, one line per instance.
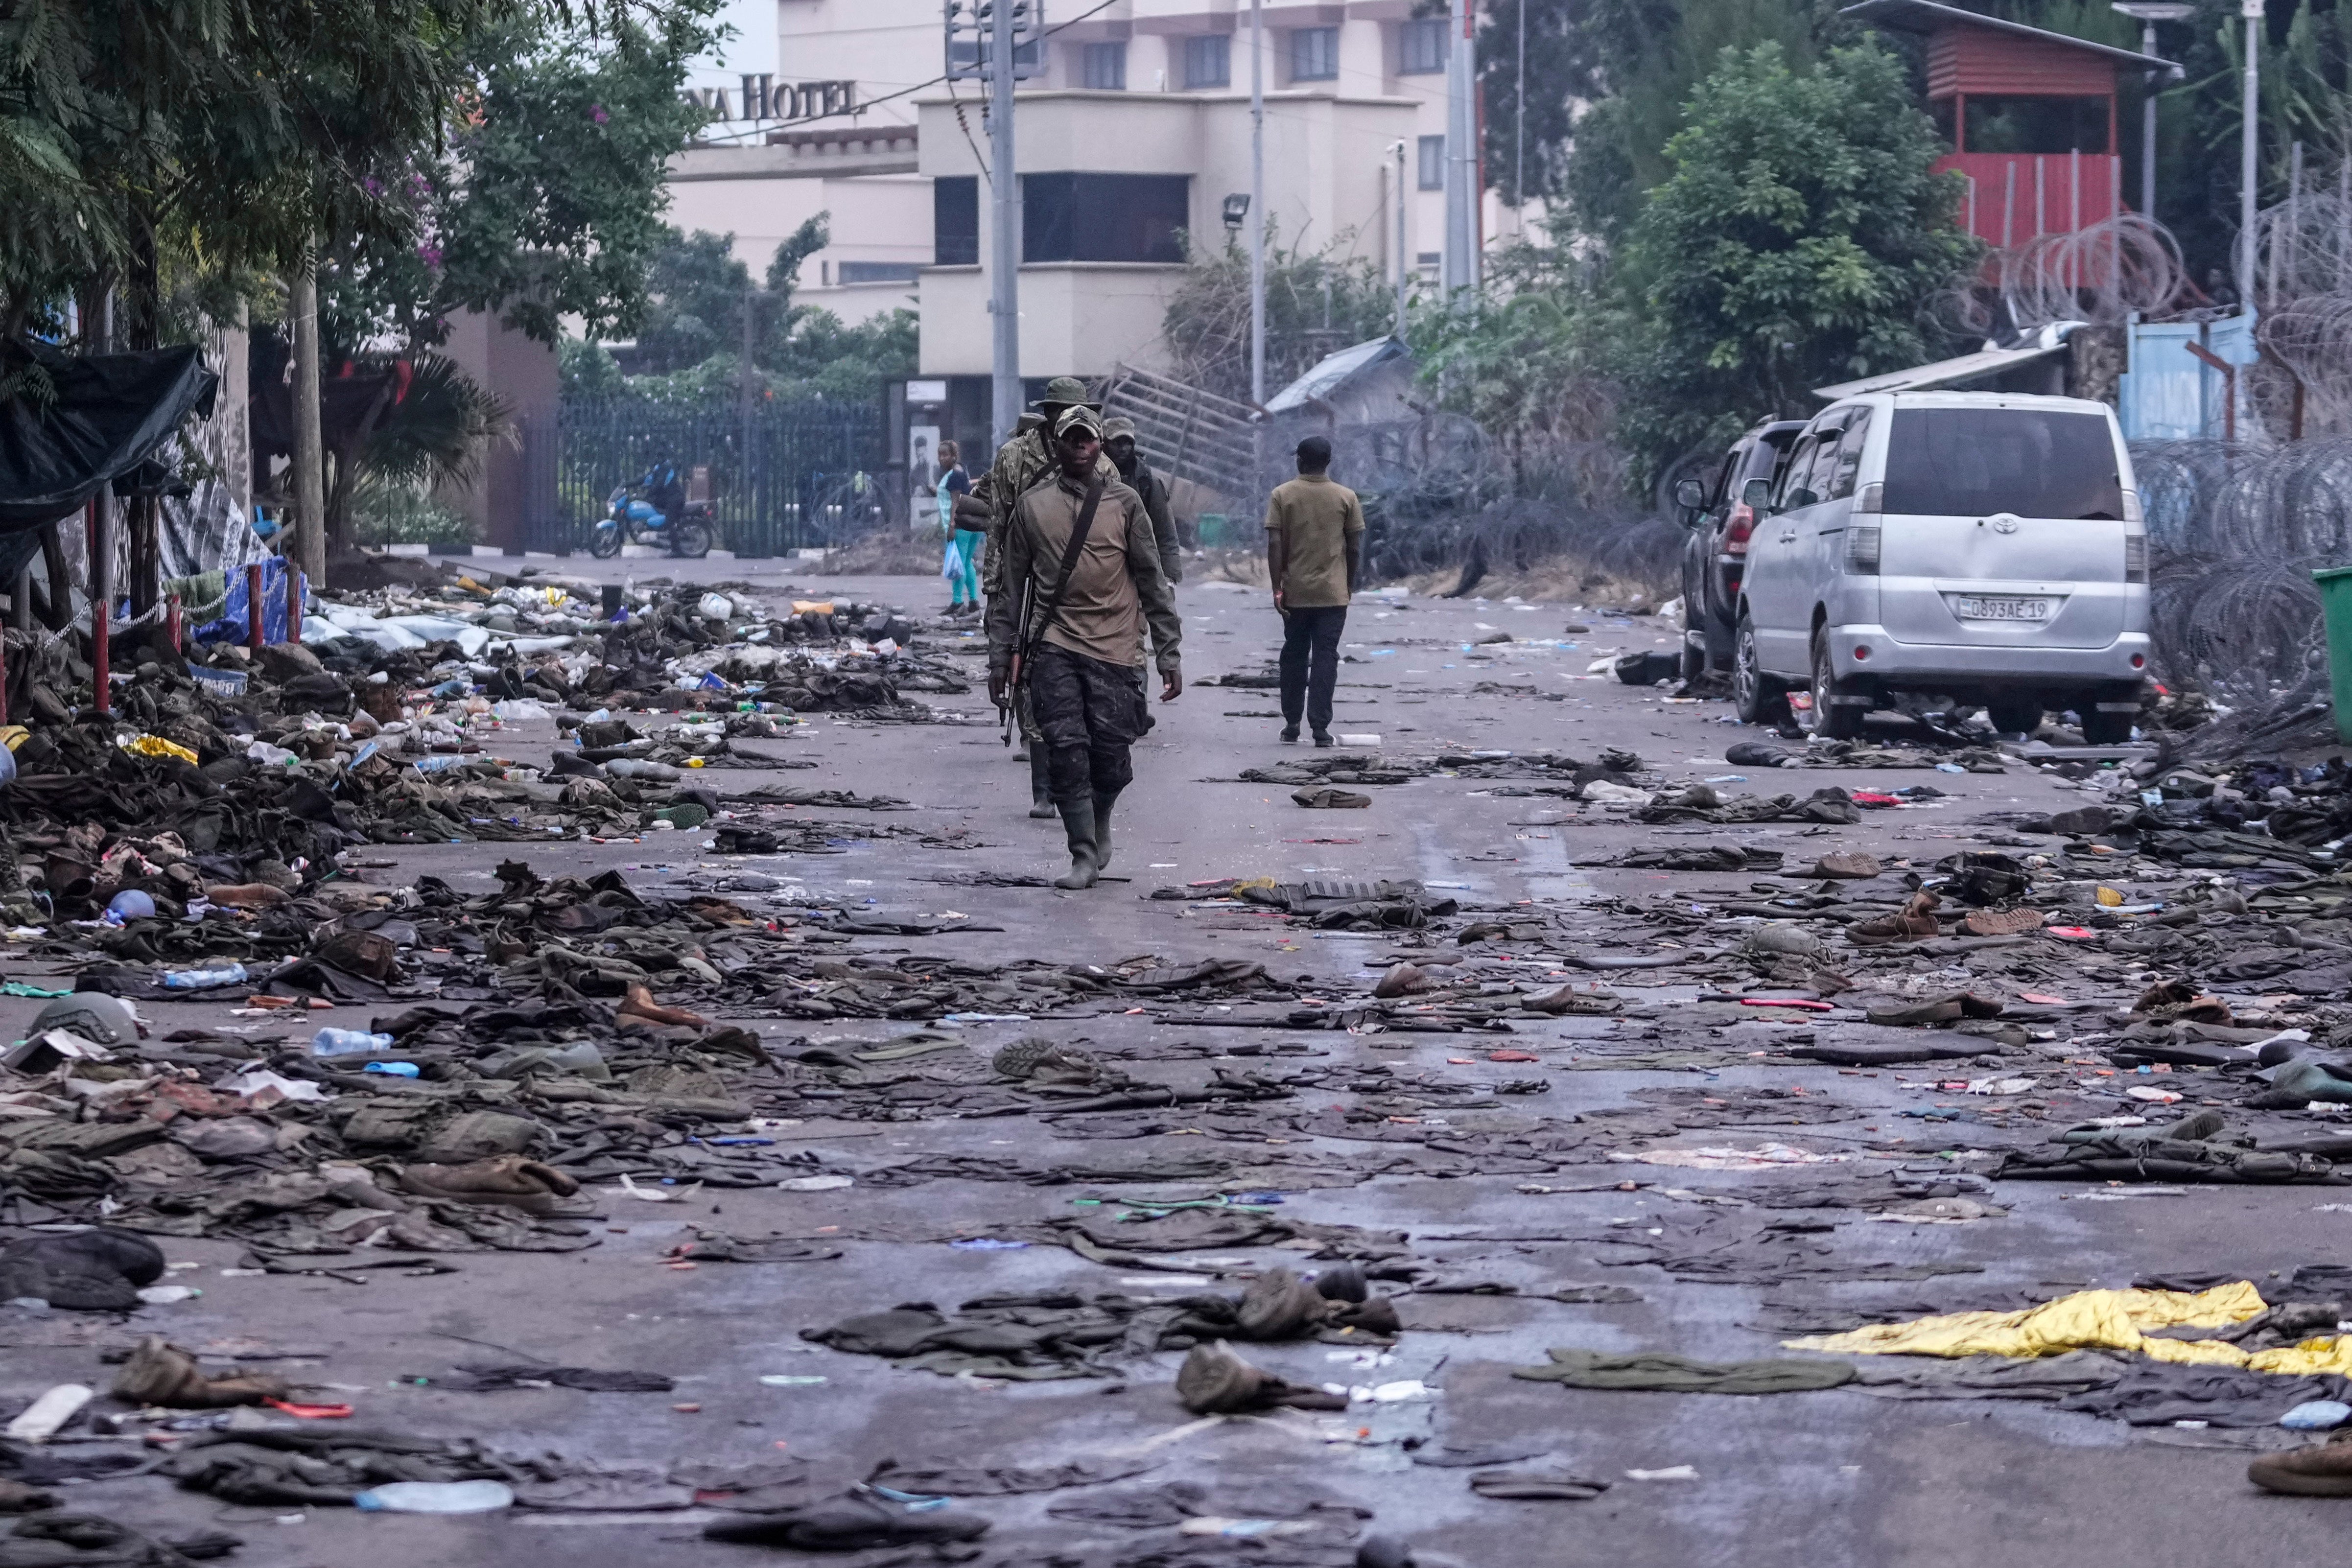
(349, 1042)
(271, 755)
(393, 1068)
(440, 762)
(204, 979)
(435, 1497)
(638, 768)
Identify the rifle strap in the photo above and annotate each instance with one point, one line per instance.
(1078, 531)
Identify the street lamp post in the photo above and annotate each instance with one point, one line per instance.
(1257, 203)
(2248, 146)
(1005, 248)
(2149, 13)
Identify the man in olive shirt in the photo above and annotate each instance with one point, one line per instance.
(1026, 457)
(1084, 656)
(1314, 544)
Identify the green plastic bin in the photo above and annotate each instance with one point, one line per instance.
(2335, 608)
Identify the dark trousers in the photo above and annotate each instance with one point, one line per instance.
(1310, 664)
(1090, 713)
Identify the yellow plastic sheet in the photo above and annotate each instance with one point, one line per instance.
(156, 746)
(2099, 1320)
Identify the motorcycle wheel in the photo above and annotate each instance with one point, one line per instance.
(690, 536)
(603, 541)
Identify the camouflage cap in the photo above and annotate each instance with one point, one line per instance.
(1063, 390)
(1079, 418)
(1117, 426)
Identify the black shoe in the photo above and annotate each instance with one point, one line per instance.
(1079, 823)
(1322, 737)
(1289, 734)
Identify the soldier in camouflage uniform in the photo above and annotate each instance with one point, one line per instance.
(1026, 460)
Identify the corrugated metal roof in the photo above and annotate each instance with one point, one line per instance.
(1333, 371)
(1942, 374)
(1927, 16)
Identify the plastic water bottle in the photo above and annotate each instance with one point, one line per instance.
(441, 761)
(349, 1042)
(202, 980)
(435, 1497)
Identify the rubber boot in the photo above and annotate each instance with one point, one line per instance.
(1041, 788)
(1103, 803)
(1078, 822)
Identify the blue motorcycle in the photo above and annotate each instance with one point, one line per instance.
(654, 509)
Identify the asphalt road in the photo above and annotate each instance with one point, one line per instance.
(1812, 1480)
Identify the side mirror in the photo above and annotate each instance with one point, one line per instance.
(1756, 495)
(1690, 496)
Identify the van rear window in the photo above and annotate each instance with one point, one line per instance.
(1974, 462)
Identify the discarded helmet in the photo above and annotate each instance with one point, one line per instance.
(93, 1015)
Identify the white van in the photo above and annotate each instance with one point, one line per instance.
(1982, 546)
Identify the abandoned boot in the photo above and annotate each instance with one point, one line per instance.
(1032, 1059)
(1103, 803)
(509, 1181)
(2001, 922)
(1079, 823)
(640, 1004)
(1280, 1305)
(1916, 922)
(1569, 1001)
(1041, 787)
(1213, 1381)
(1846, 865)
(159, 1372)
(2324, 1471)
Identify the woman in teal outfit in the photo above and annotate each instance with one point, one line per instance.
(962, 567)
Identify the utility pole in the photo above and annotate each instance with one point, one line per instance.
(1519, 126)
(2149, 13)
(1404, 256)
(309, 553)
(1005, 248)
(1460, 271)
(2249, 147)
(1257, 203)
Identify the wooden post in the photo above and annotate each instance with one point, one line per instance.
(253, 606)
(308, 544)
(293, 603)
(101, 616)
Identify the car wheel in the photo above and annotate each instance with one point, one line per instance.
(2104, 728)
(2015, 717)
(1756, 697)
(1836, 715)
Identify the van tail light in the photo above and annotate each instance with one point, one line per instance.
(2132, 514)
(1738, 523)
(2134, 558)
(1871, 498)
(1862, 549)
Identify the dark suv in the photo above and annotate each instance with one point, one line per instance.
(1720, 512)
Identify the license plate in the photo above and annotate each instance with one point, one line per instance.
(2004, 609)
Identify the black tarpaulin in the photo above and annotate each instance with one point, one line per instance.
(110, 413)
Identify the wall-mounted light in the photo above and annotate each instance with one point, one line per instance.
(1236, 210)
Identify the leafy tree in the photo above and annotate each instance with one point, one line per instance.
(1315, 303)
(539, 196)
(698, 291)
(1798, 241)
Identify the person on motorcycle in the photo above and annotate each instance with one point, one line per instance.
(665, 492)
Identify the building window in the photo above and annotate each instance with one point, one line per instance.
(955, 221)
(1314, 54)
(1209, 62)
(2036, 125)
(1432, 162)
(1106, 67)
(850, 272)
(1421, 46)
(1105, 217)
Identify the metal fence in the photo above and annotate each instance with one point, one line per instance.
(785, 477)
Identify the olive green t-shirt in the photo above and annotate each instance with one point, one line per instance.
(1318, 519)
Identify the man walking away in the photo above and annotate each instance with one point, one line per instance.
(1314, 547)
(963, 574)
(1082, 546)
(1118, 444)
